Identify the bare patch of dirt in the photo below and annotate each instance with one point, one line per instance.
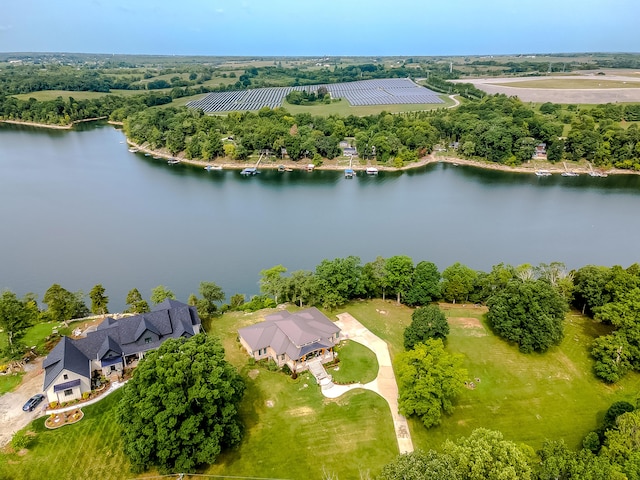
(253, 374)
(270, 403)
(472, 326)
(301, 411)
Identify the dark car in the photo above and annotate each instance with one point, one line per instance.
(33, 402)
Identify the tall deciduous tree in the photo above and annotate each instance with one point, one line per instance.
(420, 465)
(338, 280)
(426, 322)
(425, 285)
(160, 294)
(15, 317)
(429, 379)
(180, 409)
(458, 282)
(374, 277)
(136, 303)
(99, 300)
(271, 281)
(211, 295)
(485, 455)
(63, 305)
(530, 314)
(399, 275)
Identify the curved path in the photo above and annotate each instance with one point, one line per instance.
(384, 384)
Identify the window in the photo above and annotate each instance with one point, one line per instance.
(68, 392)
(113, 368)
(147, 340)
(65, 376)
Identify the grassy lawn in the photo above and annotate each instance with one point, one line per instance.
(10, 381)
(569, 82)
(357, 364)
(37, 334)
(89, 449)
(292, 431)
(45, 95)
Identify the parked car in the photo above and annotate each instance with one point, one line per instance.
(33, 402)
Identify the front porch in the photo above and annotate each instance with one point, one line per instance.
(323, 356)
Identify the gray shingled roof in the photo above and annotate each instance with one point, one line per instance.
(169, 319)
(65, 356)
(295, 334)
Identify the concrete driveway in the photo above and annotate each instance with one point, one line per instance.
(385, 383)
(12, 418)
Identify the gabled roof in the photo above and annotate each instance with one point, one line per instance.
(65, 356)
(169, 319)
(295, 334)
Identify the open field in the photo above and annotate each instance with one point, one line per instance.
(564, 89)
(45, 95)
(358, 364)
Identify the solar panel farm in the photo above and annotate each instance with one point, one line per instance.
(393, 91)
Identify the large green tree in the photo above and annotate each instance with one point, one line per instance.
(212, 294)
(99, 300)
(529, 313)
(338, 281)
(399, 275)
(63, 305)
(180, 409)
(15, 317)
(272, 282)
(136, 303)
(485, 455)
(426, 322)
(160, 293)
(419, 465)
(429, 380)
(425, 285)
(458, 282)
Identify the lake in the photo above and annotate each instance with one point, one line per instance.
(77, 208)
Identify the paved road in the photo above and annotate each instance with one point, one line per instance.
(385, 383)
(12, 418)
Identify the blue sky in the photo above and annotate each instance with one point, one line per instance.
(311, 27)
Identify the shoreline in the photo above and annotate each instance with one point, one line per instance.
(342, 163)
(335, 165)
(68, 126)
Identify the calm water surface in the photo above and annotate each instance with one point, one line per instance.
(77, 208)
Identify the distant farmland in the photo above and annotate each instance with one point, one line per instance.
(396, 91)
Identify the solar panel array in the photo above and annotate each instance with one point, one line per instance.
(391, 91)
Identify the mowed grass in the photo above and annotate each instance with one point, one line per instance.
(10, 381)
(358, 364)
(574, 83)
(45, 95)
(529, 398)
(91, 448)
(36, 335)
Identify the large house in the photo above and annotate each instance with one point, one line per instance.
(114, 345)
(291, 338)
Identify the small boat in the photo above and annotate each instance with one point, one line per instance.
(570, 174)
(133, 150)
(208, 168)
(310, 167)
(598, 174)
(543, 173)
(173, 161)
(288, 169)
(281, 168)
(147, 154)
(156, 157)
(249, 171)
(348, 173)
(372, 171)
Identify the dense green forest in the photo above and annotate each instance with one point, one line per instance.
(486, 127)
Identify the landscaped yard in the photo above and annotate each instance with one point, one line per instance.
(358, 364)
(89, 449)
(293, 432)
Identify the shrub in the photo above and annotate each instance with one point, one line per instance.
(20, 440)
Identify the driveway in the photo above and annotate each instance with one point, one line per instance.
(384, 384)
(12, 418)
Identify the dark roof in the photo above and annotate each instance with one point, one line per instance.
(65, 356)
(295, 334)
(169, 319)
